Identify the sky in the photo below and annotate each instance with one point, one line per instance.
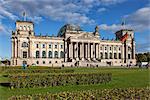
(50, 15)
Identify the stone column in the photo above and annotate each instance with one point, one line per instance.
(112, 52)
(95, 50)
(59, 50)
(12, 51)
(89, 50)
(103, 52)
(15, 47)
(65, 51)
(82, 51)
(31, 49)
(12, 48)
(46, 50)
(133, 49)
(122, 53)
(92, 49)
(127, 54)
(76, 51)
(86, 50)
(19, 50)
(99, 49)
(40, 45)
(108, 48)
(71, 50)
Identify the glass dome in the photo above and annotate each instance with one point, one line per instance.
(71, 27)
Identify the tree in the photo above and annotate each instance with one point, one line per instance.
(141, 57)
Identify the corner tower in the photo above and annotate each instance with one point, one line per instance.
(127, 38)
(21, 43)
(25, 28)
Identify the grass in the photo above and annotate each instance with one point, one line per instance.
(121, 78)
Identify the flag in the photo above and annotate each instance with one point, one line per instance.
(123, 38)
(123, 23)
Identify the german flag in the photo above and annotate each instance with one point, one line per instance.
(123, 38)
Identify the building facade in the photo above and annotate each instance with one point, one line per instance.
(71, 47)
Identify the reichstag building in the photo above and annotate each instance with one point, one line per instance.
(71, 47)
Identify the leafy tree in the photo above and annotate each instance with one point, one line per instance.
(143, 57)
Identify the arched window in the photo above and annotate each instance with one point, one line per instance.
(115, 55)
(25, 28)
(129, 56)
(50, 54)
(24, 44)
(28, 28)
(61, 54)
(43, 54)
(119, 55)
(37, 62)
(101, 55)
(110, 55)
(106, 55)
(37, 54)
(56, 54)
(21, 28)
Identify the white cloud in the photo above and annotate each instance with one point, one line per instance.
(4, 12)
(4, 30)
(54, 9)
(113, 27)
(111, 2)
(35, 19)
(138, 21)
(101, 9)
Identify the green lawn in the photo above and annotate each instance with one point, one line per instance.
(121, 78)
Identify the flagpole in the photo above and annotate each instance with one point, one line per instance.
(24, 16)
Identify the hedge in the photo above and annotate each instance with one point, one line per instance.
(58, 80)
(16, 71)
(106, 94)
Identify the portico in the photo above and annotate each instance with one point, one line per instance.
(82, 50)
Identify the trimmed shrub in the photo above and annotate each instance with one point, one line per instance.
(106, 94)
(58, 80)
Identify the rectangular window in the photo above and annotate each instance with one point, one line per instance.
(56, 46)
(50, 46)
(37, 45)
(119, 48)
(115, 55)
(129, 56)
(43, 45)
(61, 46)
(110, 48)
(105, 48)
(101, 48)
(24, 54)
(119, 55)
(101, 55)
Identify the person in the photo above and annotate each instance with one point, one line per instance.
(24, 66)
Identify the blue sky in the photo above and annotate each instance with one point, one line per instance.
(50, 15)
